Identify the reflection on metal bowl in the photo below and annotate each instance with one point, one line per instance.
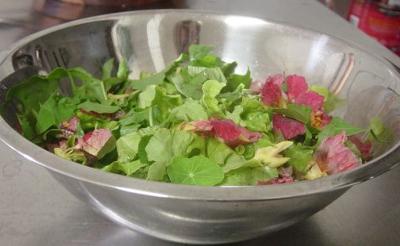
(148, 40)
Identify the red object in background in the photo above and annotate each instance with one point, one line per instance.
(379, 19)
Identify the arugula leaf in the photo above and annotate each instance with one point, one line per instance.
(211, 89)
(187, 85)
(128, 146)
(249, 176)
(300, 157)
(234, 80)
(228, 68)
(198, 170)
(123, 70)
(298, 112)
(89, 106)
(197, 52)
(39, 86)
(107, 69)
(336, 126)
(154, 79)
(46, 117)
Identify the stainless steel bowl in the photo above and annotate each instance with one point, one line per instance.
(149, 40)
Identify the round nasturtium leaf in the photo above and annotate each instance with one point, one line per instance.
(198, 170)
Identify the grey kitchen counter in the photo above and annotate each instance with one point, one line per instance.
(35, 210)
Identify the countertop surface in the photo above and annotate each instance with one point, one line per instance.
(36, 211)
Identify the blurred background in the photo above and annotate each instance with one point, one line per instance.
(380, 19)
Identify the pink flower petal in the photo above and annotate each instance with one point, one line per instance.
(296, 85)
(288, 127)
(365, 147)
(333, 156)
(93, 142)
(226, 130)
(276, 79)
(311, 99)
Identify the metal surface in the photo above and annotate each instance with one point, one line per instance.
(63, 220)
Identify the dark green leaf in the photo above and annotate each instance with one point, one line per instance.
(141, 84)
(298, 112)
(300, 157)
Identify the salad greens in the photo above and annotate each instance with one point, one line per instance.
(196, 122)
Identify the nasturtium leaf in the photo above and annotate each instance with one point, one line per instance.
(198, 170)
(157, 171)
(127, 146)
(249, 176)
(218, 151)
(190, 110)
(127, 168)
(159, 147)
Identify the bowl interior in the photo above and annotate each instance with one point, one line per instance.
(150, 40)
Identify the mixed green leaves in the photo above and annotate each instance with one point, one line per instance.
(196, 122)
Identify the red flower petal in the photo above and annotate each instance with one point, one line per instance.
(271, 94)
(311, 99)
(288, 127)
(333, 156)
(296, 85)
(226, 130)
(365, 147)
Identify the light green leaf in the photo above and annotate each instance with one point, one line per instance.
(211, 89)
(249, 176)
(127, 146)
(190, 110)
(159, 147)
(198, 170)
(157, 171)
(300, 157)
(337, 126)
(146, 97)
